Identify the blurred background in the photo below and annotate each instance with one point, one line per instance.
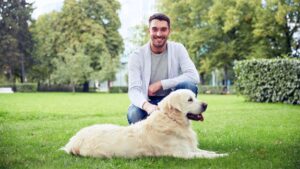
(84, 45)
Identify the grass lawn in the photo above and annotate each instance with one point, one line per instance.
(33, 126)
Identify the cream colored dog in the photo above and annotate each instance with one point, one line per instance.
(166, 132)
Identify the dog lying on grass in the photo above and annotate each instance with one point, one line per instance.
(166, 132)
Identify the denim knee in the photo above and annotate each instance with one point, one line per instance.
(187, 85)
(135, 114)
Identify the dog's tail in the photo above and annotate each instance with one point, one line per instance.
(65, 149)
(72, 147)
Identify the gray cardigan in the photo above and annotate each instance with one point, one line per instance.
(180, 69)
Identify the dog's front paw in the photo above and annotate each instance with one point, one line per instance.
(222, 155)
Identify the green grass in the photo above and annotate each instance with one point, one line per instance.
(256, 135)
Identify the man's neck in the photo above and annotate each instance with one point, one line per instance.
(158, 50)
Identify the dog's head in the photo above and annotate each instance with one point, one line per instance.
(184, 101)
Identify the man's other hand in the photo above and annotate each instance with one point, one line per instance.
(153, 88)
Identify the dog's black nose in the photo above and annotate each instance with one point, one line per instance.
(204, 106)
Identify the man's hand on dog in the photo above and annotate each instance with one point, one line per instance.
(149, 108)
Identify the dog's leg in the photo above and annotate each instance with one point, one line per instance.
(198, 154)
(208, 154)
(188, 155)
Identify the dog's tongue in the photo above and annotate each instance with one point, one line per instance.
(197, 117)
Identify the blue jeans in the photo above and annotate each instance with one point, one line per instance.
(136, 114)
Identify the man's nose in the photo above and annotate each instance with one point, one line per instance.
(158, 33)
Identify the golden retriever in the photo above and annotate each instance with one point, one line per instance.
(166, 132)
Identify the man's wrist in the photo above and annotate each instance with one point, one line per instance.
(144, 105)
(148, 107)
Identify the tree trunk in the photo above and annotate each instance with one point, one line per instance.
(108, 84)
(202, 81)
(225, 87)
(73, 88)
(288, 39)
(23, 74)
(10, 74)
(225, 75)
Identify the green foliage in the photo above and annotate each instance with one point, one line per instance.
(218, 32)
(26, 87)
(83, 42)
(275, 80)
(72, 68)
(33, 126)
(55, 88)
(15, 39)
(45, 36)
(118, 89)
(276, 24)
(62, 88)
(21, 87)
(141, 35)
(208, 89)
(7, 85)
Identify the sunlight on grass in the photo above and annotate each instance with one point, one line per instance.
(256, 135)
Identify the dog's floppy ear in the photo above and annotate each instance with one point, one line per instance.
(164, 104)
(170, 102)
(174, 102)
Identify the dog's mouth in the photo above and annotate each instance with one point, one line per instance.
(196, 117)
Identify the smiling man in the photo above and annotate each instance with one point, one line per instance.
(156, 69)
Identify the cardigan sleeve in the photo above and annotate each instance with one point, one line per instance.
(187, 67)
(135, 85)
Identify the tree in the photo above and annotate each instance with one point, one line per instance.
(86, 30)
(218, 32)
(73, 69)
(229, 32)
(45, 36)
(276, 24)
(15, 38)
(140, 35)
(104, 12)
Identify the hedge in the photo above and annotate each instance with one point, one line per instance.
(206, 89)
(22, 87)
(54, 88)
(118, 89)
(26, 87)
(203, 89)
(269, 80)
(7, 85)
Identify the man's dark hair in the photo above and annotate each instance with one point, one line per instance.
(161, 17)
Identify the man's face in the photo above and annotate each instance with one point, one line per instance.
(159, 32)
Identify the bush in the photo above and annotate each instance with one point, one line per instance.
(7, 85)
(26, 87)
(118, 89)
(58, 88)
(269, 80)
(205, 89)
(62, 88)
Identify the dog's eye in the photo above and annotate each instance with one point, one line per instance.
(190, 99)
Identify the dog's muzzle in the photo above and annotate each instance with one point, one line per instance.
(197, 117)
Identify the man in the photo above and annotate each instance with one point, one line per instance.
(156, 69)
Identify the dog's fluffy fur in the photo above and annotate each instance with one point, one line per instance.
(166, 132)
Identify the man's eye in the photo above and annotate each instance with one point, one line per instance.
(154, 29)
(164, 29)
(190, 99)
